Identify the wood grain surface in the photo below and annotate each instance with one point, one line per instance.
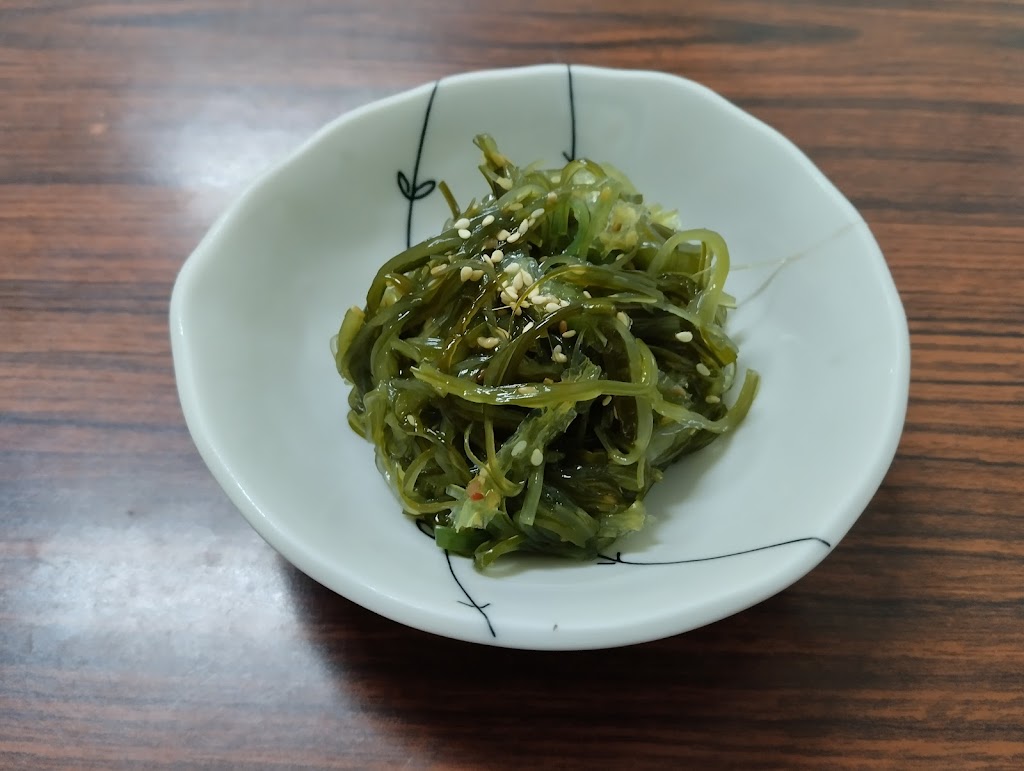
(143, 624)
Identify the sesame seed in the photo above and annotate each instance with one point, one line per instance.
(488, 220)
(517, 282)
(513, 237)
(537, 457)
(552, 306)
(684, 337)
(410, 419)
(438, 270)
(465, 273)
(606, 401)
(497, 255)
(487, 342)
(563, 303)
(557, 356)
(537, 213)
(702, 369)
(569, 333)
(512, 292)
(518, 310)
(524, 304)
(527, 390)
(518, 448)
(461, 223)
(528, 327)
(514, 206)
(502, 235)
(464, 234)
(588, 295)
(504, 182)
(712, 399)
(527, 277)
(507, 298)
(524, 226)
(476, 275)
(563, 326)
(512, 267)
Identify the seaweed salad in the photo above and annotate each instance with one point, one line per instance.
(529, 373)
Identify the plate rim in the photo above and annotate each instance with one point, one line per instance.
(347, 584)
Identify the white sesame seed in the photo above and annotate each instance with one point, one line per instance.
(557, 356)
(507, 298)
(518, 448)
(465, 273)
(702, 369)
(527, 278)
(513, 237)
(606, 401)
(517, 282)
(438, 270)
(527, 390)
(712, 399)
(502, 235)
(512, 268)
(514, 206)
(563, 303)
(569, 333)
(497, 255)
(552, 196)
(518, 310)
(552, 306)
(461, 224)
(528, 327)
(512, 292)
(504, 182)
(621, 316)
(487, 342)
(588, 295)
(684, 337)
(488, 220)
(464, 234)
(524, 304)
(537, 213)
(524, 226)
(536, 457)
(477, 275)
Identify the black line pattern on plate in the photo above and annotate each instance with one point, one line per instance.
(618, 560)
(414, 190)
(571, 155)
(424, 528)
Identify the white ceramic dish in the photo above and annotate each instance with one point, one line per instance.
(257, 302)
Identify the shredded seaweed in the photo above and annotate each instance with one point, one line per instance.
(527, 375)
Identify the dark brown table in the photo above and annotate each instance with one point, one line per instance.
(143, 624)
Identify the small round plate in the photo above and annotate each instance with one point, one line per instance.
(256, 304)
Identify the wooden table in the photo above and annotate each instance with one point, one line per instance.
(143, 624)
